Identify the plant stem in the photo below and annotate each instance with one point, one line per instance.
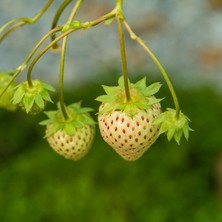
(24, 65)
(56, 19)
(61, 77)
(156, 61)
(123, 59)
(34, 50)
(62, 61)
(84, 25)
(120, 18)
(23, 21)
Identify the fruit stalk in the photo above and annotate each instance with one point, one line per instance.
(56, 18)
(23, 66)
(62, 61)
(120, 17)
(156, 61)
(23, 21)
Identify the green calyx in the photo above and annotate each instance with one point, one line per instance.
(6, 98)
(77, 118)
(172, 125)
(32, 98)
(141, 97)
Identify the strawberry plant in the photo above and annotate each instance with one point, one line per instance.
(130, 116)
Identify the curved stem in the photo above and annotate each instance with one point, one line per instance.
(156, 61)
(61, 77)
(23, 21)
(23, 66)
(62, 61)
(84, 25)
(35, 49)
(43, 51)
(56, 19)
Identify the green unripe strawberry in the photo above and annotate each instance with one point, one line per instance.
(71, 138)
(32, 98)
(6, 98)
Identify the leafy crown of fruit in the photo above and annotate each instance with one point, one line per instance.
(77, 117)
(173, 125)
(141, 97)
(32, 96)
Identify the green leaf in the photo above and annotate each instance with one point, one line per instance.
(39, 101)
(28, 102)
(45, 122)
(170, 133)
(107, 109)
(141, 84)
(45, 95)
(48, 87)
(177, 136)
(173, 125)
(121, 82)
(78, 117)
(163, 128)
(18, 95)
(53, 128)
(152, 89)
(104, 99)
(131, 110)
(70, 128)
(88, 120)
(143, 105)
(111, 90)
(51, 114)
(153, 100)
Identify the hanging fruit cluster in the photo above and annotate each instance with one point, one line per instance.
(130, 117)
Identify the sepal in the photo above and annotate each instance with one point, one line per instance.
(173, 125)
(141, 97)
(77, 117)
(32, 98)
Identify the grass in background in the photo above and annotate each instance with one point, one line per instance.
(169, 183)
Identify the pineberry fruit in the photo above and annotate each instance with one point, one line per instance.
(127, 126)
(71, 138)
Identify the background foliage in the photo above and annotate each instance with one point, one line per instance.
(169, 183)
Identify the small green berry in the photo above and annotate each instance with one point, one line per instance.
(32, 98)
(6, 98)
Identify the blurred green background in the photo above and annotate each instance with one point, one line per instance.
(169, 183)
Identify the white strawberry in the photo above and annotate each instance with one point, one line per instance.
(128, 126)
(71, 138)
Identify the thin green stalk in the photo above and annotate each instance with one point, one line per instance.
(56, 18)
(43, 51)
(24, 65)
(156, 61)
(35, 49)
(119, 3)
(120, 18)
(23, 21)
(123, 59)
(61, 77)
(84, 25)
(62, 61)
